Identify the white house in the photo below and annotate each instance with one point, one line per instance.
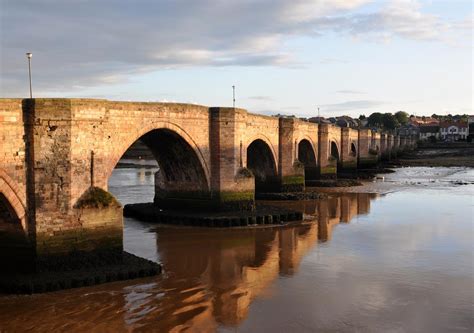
(454, 131)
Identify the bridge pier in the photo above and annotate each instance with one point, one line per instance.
(232, 183)
(368, 156)
(327, 161)
(291, 170)
(62, 223)
(349, 148)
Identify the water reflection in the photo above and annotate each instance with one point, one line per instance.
(213, 275)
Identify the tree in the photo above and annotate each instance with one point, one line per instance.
(390, 121)
(375, 120)
(401, 117)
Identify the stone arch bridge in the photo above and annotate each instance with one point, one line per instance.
(54, 152)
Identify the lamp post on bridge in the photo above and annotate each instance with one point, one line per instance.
(29, 55)
(233, 96)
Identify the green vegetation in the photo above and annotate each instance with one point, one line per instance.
(292, 180)
(450, 117)
(96, 197)
(236, 196)
(329, 170)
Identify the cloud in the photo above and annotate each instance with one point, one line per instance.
(349, 106)
(354, 92)
(79, 43)
(261, 98)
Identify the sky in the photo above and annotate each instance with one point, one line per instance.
(347, 57)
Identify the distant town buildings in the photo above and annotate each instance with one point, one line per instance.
(454, 131)
(419, 121)
(423, 128)
(429, 131)
(409, 129)
(343, 121)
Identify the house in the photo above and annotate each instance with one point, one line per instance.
(423, 120)
(319, 120)
(429, 132)
(409, 129)
(346, 121)
(454, 131)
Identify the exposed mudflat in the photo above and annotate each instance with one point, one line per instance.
(444, 156)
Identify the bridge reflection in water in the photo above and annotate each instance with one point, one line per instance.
(212, 276)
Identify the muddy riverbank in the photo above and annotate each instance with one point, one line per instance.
(439, 156)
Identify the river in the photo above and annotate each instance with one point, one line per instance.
(397, 261)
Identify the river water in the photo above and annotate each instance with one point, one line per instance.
(395, 262)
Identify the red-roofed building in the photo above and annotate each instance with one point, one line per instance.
(423, 121)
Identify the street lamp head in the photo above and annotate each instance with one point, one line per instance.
(29, 55)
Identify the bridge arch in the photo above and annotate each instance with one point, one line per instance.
(307, 156)
(180, 169)
(15, 248)
(306, 153)
(353, 150)
(11, 196)
(334, 151)
(177, 139)
(261, 161)
(267, 141)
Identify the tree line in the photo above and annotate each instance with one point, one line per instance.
(391, 121)
(387, 120)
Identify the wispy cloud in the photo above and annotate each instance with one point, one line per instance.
(261, 98)
(349, 106)
(350, 92)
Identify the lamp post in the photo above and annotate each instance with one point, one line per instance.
(29, 55)
(233, 96)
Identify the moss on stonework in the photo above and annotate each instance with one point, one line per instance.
(328, 170)
(236, 196)
(349, 164)
(96, 197)
(292, 180)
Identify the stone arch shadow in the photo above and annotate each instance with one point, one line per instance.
(261, 161)
(307, 156)
(16, 252)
